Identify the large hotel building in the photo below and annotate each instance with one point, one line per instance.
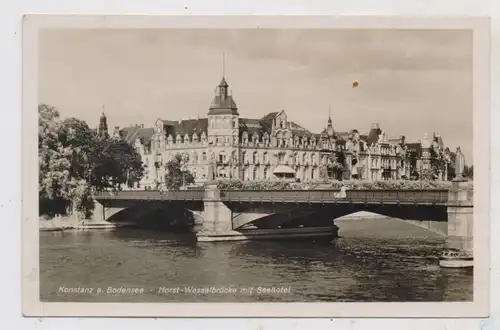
(272, 147)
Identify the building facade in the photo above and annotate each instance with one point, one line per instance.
(271, 147)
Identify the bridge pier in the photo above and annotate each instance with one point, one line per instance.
(102, 213)
(460, 225)
(217, 223)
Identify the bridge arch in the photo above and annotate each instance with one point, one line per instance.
(152, 214)
(430, 217)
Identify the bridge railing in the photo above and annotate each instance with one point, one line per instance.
(436, 196)
(189, 195)
(325, 196)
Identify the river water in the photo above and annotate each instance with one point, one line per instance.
(373, 260)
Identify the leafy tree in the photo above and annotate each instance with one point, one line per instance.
(114, 163)
(73, 161)
(176, 175)
(468, 172)
(428, 174)
(60, 191)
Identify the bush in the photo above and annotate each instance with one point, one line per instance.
(324, 184)
(253, 185)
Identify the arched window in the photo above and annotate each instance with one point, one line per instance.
(255, 157)
(266, 172)
(266, 138)
(280, 140)
(255, 172)
(204, 156)
(255, 138)
(266, 158)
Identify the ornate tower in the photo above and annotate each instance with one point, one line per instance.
(223, 117)
(103, 127)
(223, 132)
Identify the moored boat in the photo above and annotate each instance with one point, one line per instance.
(456, 259)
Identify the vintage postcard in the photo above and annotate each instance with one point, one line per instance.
(255, 166)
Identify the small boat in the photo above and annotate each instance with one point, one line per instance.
(456, 259)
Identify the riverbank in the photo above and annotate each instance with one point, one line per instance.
(70, 223)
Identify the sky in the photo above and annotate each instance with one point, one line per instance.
(411, 82)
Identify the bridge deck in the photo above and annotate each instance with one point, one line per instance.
(424, 197)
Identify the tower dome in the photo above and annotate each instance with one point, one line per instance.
(330, 131)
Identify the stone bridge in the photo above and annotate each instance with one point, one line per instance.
(236, 214)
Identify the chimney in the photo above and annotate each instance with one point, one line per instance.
(375, 126)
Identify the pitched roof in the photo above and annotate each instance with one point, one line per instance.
(188, 126)
(131, 133)
(169, 122)
(270, 116)
(252, 126)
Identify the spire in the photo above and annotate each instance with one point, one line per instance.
(103, 116)
(223, 64)
(329, 129)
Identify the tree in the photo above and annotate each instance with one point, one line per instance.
(468, 172)
(114, 163)
(176, 175)
(73, 161)
(428, 174)
(60, 190)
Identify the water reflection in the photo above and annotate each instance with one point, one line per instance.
(368, 263)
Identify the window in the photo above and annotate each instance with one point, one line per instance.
(255, 172)
(204, 156)
(281, 158)
(234, 123)
(255, 157)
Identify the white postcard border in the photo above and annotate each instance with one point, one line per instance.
(481, 104)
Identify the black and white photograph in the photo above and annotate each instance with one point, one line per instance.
(258, 164)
